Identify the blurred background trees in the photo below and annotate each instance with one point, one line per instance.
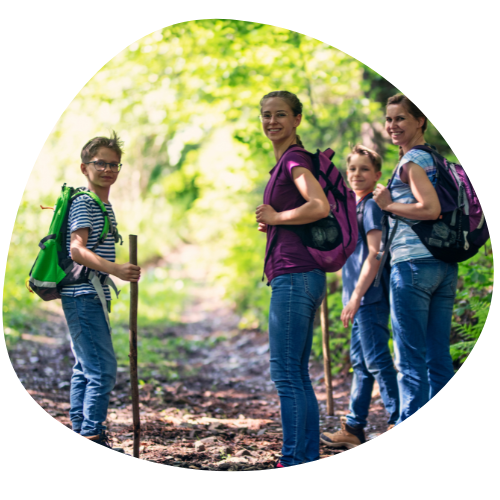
(185, 101)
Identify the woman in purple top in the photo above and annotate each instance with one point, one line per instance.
(293, 196)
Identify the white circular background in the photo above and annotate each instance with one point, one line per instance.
(444, 56)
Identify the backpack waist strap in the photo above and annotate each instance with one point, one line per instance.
(98, 283)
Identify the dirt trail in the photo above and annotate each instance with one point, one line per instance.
(221, 414)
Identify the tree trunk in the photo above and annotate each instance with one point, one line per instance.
(325, 328)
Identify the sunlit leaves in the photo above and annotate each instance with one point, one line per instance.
(185, 100)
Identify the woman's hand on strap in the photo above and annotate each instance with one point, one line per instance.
(382, 196)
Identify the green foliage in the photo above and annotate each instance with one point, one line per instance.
(339, 336)
(160, 355)
(470, 331)
(472, 304)
(20, 312)
(185, 100)
(161, 299)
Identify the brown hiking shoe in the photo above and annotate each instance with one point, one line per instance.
(103, 440)
(347, 437)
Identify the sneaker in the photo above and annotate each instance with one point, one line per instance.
(390, 426)
(348, 437)
(278, 465)
(103, 440)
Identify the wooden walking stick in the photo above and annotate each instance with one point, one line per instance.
(134, 296)
(325, 328)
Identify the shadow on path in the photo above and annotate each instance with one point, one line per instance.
(221, 414)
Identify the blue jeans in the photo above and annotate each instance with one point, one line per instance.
(94, 373)
(422, 296)
(294, 301)
(371, 360)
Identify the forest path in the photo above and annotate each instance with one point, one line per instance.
(221, 413)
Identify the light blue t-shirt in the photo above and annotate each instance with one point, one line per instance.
(406, 244)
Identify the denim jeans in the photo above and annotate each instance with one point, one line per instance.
(94, 372)
(422, 296)
(371, 360)
(294, 301)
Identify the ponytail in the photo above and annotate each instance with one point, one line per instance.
(299, 142)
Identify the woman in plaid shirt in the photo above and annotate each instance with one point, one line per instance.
(423, 288)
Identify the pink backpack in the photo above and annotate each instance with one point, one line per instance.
(333, 239)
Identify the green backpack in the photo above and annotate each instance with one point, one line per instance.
(53, 268)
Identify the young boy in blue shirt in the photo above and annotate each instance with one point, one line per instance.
(366, 307)
(86, 305)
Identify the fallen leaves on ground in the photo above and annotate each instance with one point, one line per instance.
(224, 415)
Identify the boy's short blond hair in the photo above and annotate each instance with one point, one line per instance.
(375, 158)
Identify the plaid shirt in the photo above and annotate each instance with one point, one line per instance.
(406, 244)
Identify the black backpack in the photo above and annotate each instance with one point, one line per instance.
(461, 230)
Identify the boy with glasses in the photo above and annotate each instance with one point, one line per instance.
(86, 305)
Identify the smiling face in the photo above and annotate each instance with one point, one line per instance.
(278, 121)
(105, 178)
(361, 174)
(404, 129)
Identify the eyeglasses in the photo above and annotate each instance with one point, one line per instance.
(100, 166)
(267, 117)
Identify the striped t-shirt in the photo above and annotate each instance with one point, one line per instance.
(85, 212)
(406, 244)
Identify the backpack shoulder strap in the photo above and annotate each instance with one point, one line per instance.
(108, 226)
(316, 163)
(107, 220)
(329, 153)
(360, 211)
(386, 241)
(426, 147)
(436, 156)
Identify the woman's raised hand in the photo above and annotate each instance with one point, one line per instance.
(382, 196)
